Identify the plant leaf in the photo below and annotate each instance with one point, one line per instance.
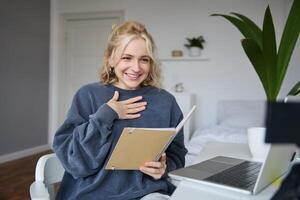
(239, 24)
(288, 40)
(270, 51)
(295, 90)
(255, 30)
(256, 57)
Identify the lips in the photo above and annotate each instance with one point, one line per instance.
(132, 76)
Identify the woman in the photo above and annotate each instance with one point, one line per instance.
(128, 96)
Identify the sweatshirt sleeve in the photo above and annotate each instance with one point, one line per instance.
(176, 151)
(81, 143)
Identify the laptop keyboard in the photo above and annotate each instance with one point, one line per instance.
(242, 176)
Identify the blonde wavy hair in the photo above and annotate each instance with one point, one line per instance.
(120, 37)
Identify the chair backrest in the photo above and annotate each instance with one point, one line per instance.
(49, 169)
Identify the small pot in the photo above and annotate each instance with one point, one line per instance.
(194, 51)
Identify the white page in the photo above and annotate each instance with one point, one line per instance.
(178, 128)
(180, 125)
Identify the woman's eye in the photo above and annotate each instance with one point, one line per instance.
(126, 58)
(145, 60)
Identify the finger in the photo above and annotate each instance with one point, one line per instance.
(133, 99)
(163, 157)
(130, 116)
(116, 96)
(135, 110)
(136, 105)
(153, 171)
(153, 164)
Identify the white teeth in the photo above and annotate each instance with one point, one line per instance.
(132, 75)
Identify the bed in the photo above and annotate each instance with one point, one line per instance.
(233, 119)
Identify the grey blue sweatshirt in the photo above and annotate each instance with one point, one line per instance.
(90, 132)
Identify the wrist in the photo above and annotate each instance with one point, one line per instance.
(113, 107)
(105, 114)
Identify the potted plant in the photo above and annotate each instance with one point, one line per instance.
(269, 62)
(195, 45)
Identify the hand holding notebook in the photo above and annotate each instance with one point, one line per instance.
(138, 145)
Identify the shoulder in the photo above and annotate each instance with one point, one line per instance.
(164, 94)
(91, 88)
(89, 92)
(88, 97)
(167, 99)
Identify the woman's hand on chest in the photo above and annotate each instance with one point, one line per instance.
(129, 108)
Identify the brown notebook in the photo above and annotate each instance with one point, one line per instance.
(139, 145)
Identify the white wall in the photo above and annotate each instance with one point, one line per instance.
(227, 75)
(24, 77)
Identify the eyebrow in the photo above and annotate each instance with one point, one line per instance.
(126, 54)
(133, 56)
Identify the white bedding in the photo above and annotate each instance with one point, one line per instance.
(218, 133)
(233, 119)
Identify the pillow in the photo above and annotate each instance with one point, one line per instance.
(213, 133)
(241, 113)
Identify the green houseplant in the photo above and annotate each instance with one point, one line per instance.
(195, 44)
(260, 46)
(269, 62)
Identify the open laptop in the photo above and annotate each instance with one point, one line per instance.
(244, 176)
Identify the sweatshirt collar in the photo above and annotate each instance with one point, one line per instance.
(139, 91)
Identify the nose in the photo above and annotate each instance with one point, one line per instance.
(135, 66)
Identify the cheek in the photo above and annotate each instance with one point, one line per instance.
(120, 67)
(146, 69)
(118, 71)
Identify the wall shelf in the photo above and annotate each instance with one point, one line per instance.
(183, 59)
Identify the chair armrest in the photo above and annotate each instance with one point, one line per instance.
(40, 166)
(38, 191)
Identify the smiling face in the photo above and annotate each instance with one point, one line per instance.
(134, 65)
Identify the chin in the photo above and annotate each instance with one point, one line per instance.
(133, 84)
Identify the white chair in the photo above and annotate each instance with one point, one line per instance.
(47, 172)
